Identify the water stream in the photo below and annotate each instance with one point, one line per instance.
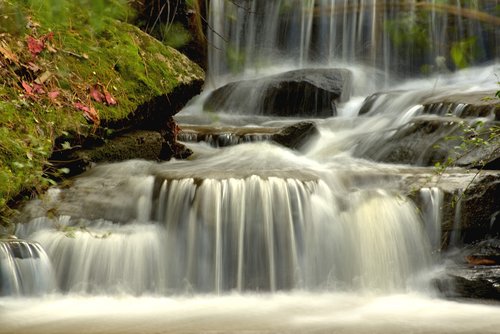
(251, 236)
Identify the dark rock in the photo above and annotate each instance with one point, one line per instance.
(474, 272)
(140, 144)
(306, 92)
(431, 140)
(294, 136)
(470, 282)
(480, 210)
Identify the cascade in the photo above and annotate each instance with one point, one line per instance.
(250, 235)
(25, 269)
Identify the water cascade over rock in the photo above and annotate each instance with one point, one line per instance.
(304, 208)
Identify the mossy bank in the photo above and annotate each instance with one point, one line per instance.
(74, 72)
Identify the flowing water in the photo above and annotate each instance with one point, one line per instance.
(247, 235)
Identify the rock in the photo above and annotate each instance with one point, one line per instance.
(136, 144)
(476, 282)
(464, 105)
(294, 136)
(415, 143)
(441, 103)
(475, 272)
(305, 92)
(480, 210)
(425, 141)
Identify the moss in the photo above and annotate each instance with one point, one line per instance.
(92, 46)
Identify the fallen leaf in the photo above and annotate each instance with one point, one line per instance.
(38, 89)
(53, 95)
(88, 112)
(27, 87)
(35, 46)
(81, 106)
(110, 100)
(92, 115)
(96, 94)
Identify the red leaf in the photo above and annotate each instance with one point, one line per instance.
(109, 98)
(35, 46)
(27, 87)
(53, 95)
(89, 112)
(92, 115)
(38, 89)
(81, 106)
(96, 94)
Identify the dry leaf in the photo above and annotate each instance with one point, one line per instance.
(96, 94)
(35, 46)
(88, 112)
(110, 100)
(53, 95)
(27, 87)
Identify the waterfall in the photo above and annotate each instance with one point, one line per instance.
(432, 199)
(397, 37)
(25, 269)
(250, 234)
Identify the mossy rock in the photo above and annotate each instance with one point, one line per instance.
(72, 70)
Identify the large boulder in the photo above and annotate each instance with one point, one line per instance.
(305, 92)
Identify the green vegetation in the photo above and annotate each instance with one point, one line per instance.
(68, 67)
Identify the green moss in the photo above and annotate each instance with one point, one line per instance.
(92, 46)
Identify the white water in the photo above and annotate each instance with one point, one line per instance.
(256, 237)
(300, 312)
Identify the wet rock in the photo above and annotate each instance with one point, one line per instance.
(479, 207)
(421, 142)
(475, 272)
(296, 135)
(477, 282)
(426, 141)
(292, 136)
(464, 105)
(440, 103)
(138, 144)
(306, 92)
(224, 136)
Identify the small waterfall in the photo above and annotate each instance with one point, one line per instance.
(432, 202)
(241, 234)
(25, 269)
